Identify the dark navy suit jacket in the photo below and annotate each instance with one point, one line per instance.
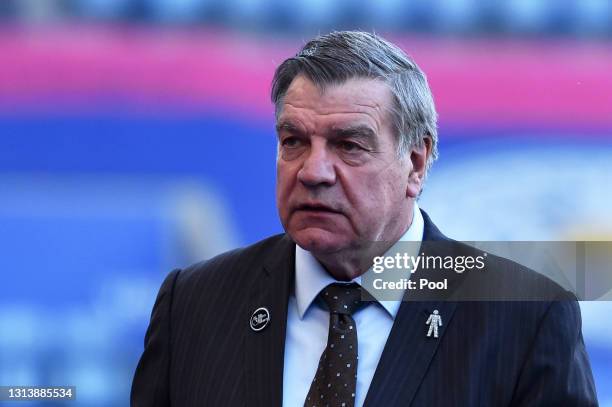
(201, 351)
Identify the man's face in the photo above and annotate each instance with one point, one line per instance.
(340, 183)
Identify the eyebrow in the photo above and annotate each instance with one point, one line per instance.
(287, 126)
(359, 131)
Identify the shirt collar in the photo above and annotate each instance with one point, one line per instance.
(311, 277)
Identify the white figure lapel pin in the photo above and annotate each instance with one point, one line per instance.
(434, 321)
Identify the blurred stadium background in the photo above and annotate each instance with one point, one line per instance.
(137, 136)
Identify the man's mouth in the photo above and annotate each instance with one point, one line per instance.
(316, 207)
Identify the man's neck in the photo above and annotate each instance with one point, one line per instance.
(350, 265)
(355, 261)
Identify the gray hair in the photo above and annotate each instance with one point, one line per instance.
(339, 56)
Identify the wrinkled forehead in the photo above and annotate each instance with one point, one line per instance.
(355, 97)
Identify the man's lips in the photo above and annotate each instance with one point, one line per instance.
(316, 207)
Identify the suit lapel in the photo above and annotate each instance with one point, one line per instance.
(264, 350)
(407, 354)
(408, 351)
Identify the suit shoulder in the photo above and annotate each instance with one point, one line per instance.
(513, 280)
(542, 286)
(232, 264)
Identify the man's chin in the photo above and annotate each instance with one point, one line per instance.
(319, 241)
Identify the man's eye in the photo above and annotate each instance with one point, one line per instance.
(291, 142)
(349, 147)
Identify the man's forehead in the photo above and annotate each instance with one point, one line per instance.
(354, 97)
(366, 91)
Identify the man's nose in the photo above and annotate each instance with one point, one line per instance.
(318, 168)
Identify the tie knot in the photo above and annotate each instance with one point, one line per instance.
(342, 298)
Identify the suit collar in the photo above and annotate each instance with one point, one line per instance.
(279, 259)
(430, 230)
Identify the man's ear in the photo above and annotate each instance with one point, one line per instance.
(418, 160)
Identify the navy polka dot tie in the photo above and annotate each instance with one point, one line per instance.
(336, 376)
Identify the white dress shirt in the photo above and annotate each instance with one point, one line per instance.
(308, 326)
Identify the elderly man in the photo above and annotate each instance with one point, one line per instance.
(282, 322)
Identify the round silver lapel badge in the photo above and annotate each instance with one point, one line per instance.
(260, 319)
